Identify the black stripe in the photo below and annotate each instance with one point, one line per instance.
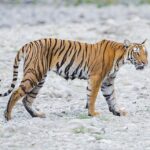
(29, 109)
(16, 67)
(70, 64)
(107, 96)
(9, 91)
(88, 61)
(31, 96)
(50, 55)
(5, 94)
(41, 83)
(104, 54)
(86, 47)
(14, 79)
(79, 49)
(40, 86)
(12, 85)
(39, 73)
(33, 92)
(88, 95)
(88, 89)
(27, 57)
(41, 44)
(76, 70)
(80, 75)
(107, 84)
(80, 64)
(57, 67)
(61, 43)
(15, 72)
(64, 48)
(64, 58)
(23, 88)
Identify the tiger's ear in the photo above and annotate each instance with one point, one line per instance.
(144, 42)
(127, 43)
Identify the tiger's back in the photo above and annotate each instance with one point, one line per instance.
(70, 59)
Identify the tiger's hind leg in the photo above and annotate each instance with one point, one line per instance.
(26, 87)
(16, 95)
(29, 99)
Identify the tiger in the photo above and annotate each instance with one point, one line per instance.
(98, 63)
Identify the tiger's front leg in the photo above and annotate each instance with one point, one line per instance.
(93, 87)
(109, 94)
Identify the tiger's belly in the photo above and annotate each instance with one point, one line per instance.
(72, 72)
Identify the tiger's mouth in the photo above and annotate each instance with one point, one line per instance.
(139, 67)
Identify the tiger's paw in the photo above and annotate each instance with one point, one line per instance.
(7, 115)
(119, 112)
(41, 115)
(93, 114)
(38, 113)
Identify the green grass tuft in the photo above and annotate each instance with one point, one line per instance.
(80, 130)
(99, 3)
(83, 116)
(20, 1)
(104, 118)
(98, 137)
(145, 1)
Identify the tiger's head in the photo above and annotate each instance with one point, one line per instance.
(136, 54)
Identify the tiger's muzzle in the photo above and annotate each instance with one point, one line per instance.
(140, 66)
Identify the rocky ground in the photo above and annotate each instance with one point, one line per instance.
(67, 126)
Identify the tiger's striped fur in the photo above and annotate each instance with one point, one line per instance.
(98, 63)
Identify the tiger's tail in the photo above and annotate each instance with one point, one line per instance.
(18, 57)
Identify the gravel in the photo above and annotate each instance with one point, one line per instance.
(67, 126)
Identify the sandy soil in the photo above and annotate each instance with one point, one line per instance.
(67, 126)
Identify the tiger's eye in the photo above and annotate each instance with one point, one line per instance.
(136, 49)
